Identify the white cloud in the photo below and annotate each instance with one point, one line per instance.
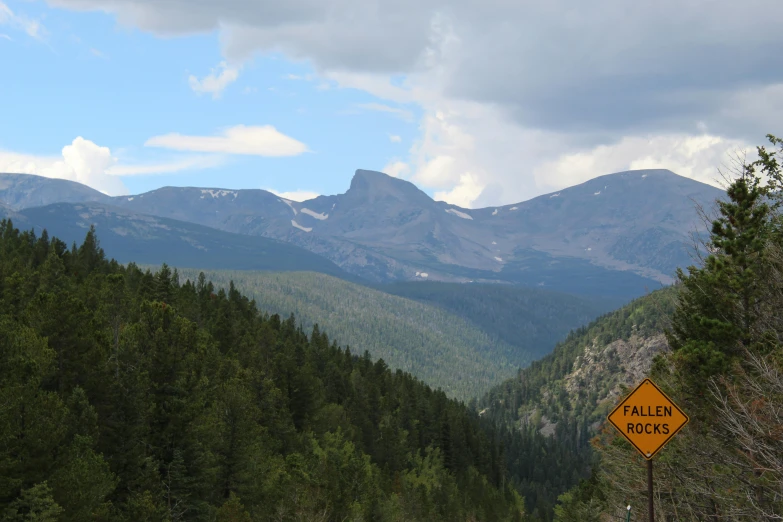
(380, 107)
(31, 27)
(241, 139)
(90, 164)
(295, 195)
(464, 193)
(216, 81)
(507, 106)
(396, 169)
(394, 138)
(82, 161)
(6, 37)
(695, 157)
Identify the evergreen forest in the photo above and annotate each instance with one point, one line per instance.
(131, 395)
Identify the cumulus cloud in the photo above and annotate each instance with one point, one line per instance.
(295, 195)
(82, 161)
(520, 96)
(216, 81)
(696, 157)
(396, 169)
(464, 193)
(90, 164)
(257, 141)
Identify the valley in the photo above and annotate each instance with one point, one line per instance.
(524, 372)
(378, 261)
(439, 336)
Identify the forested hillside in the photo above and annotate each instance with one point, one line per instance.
(531, 319)
(461, 338)
(558, 402)
(724, 369)
(556, 385)
(131, 395)
(441, 348)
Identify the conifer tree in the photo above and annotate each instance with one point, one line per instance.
(720, 301)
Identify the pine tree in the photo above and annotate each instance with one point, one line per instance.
(34, 505)
(719, 302)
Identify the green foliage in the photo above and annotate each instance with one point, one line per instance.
(725, 371)
(720, 300)
(438, 346)
(531, 320)
(233, 511)
(34, 505)
(128, 395)
(542, 466)
(584, 502)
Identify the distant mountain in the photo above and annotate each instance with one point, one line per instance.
(19, 191)
(128, 236)
(618, 235)
(8, 212)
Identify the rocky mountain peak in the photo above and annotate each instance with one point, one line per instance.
(370, 185)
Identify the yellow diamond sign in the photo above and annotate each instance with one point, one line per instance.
(648, 418)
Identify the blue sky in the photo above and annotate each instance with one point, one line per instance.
(118, 87)
(478, 107)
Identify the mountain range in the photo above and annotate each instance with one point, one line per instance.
(618, 235)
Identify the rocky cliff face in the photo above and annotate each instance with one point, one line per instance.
(603, 370)
(584, 376)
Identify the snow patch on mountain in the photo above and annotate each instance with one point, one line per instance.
(316, 215)
(514, 208)
(300, 227)
(458, 213)
(554, 195)
(499, 259)
(422, 274)
(495, 213)
(287, 202)
(218, 193)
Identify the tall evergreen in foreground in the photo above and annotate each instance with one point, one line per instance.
(725, 370)
(129, 395)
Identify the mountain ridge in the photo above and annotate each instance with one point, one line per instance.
(632, 224)
(140, 238)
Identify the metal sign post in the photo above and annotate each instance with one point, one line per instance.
(650, 505)
(648, 419)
